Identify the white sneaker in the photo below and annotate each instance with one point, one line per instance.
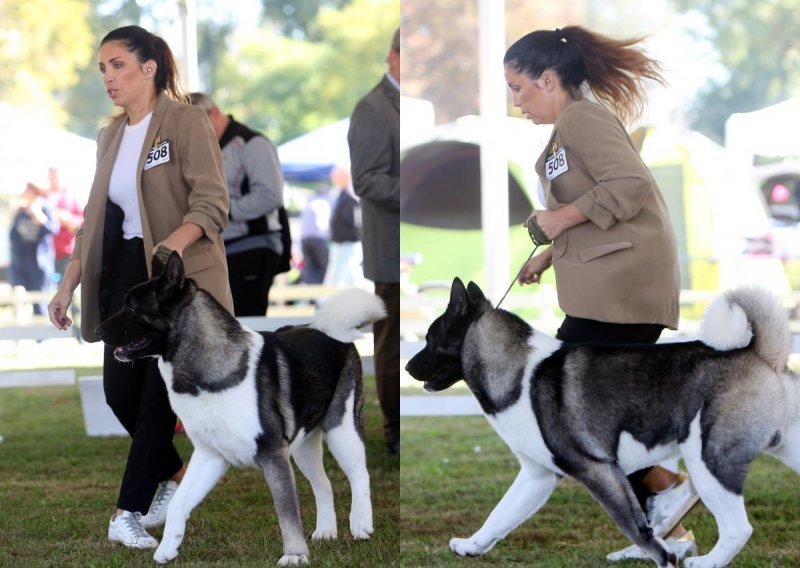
(157, 514)
(126, 529)
(666, 509)
(683, 546)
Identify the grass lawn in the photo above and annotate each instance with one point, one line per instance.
(454, 470)
(58, 489)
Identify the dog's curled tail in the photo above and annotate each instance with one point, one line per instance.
(342, 314)
(742, 314)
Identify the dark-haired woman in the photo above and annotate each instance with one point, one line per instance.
(159, 182)
(614, 251)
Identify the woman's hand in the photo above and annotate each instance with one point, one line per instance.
(532, 272)
(553, 223)
(57, 309)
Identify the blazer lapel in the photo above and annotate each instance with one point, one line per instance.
(152, 131)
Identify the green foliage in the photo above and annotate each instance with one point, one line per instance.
(759, 45)
(42, 43)
(59, 487)
(285, 87)
(298, 18)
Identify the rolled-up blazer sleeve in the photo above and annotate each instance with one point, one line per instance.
(623, 180)
(204, 172)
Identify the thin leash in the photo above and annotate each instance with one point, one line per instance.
(539, 238)
(517, 276)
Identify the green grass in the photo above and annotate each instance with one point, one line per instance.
(58, 489)
(454, 470)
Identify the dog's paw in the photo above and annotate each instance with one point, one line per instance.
(699, 562)
(465, 547)
(324, 534)
(165, 554)
(361, 531)
(293, 560)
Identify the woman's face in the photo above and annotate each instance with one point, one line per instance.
(531, 96)
(124, 78)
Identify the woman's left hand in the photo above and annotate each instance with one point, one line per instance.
(553, 223)
(550, 223)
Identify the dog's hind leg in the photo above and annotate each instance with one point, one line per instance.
(347, 447)
(308, 457)
(205, 469)
(280, 477)
(531, 489)
(609, 486)
(725, 503)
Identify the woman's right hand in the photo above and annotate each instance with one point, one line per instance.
(532, 272)
(57, 309)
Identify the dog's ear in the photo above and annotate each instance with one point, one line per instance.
(173, 271)
(475, 293)
(157, 266)
(458, 296)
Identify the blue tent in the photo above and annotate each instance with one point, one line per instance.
(310, 157)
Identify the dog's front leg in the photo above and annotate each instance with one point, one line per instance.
(205, 469)
(280, 478)
(527, 494)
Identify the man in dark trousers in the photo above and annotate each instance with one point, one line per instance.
(374, 140)
(255, 185)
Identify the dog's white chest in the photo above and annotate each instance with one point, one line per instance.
(225, 421)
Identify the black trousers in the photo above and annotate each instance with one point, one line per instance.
(581, 330)
(138, 397)
(387, 359)
(250, 274)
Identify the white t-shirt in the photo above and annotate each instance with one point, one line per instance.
(122, 185)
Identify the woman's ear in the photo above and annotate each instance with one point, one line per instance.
(149, 68)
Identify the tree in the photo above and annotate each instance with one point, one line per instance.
(297, 19)
(286, 87)
(440, 47)
(42, 46)
(759, 46)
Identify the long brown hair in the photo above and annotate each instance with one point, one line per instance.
(613, 69)
(147, 46)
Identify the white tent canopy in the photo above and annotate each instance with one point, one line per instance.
(771, 131)
(31, 145)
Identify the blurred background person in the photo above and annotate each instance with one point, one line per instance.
(253, 241)
(315, 232)
(70, 217)
(374, 140)
(31, 237)
(345, 254)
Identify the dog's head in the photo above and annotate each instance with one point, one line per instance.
(438, 365)
(141, 327)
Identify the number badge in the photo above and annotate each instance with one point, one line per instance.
(556, 164)
(158, 154)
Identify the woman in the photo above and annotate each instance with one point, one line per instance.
(159, 182)
(614, 251)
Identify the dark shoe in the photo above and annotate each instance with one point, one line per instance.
(393, 448)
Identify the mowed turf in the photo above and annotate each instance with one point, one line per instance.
(454, 470)
(58, 489)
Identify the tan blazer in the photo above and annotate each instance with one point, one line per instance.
(622, 265)
(190, 187)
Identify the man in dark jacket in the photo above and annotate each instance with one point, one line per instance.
(374, 140)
